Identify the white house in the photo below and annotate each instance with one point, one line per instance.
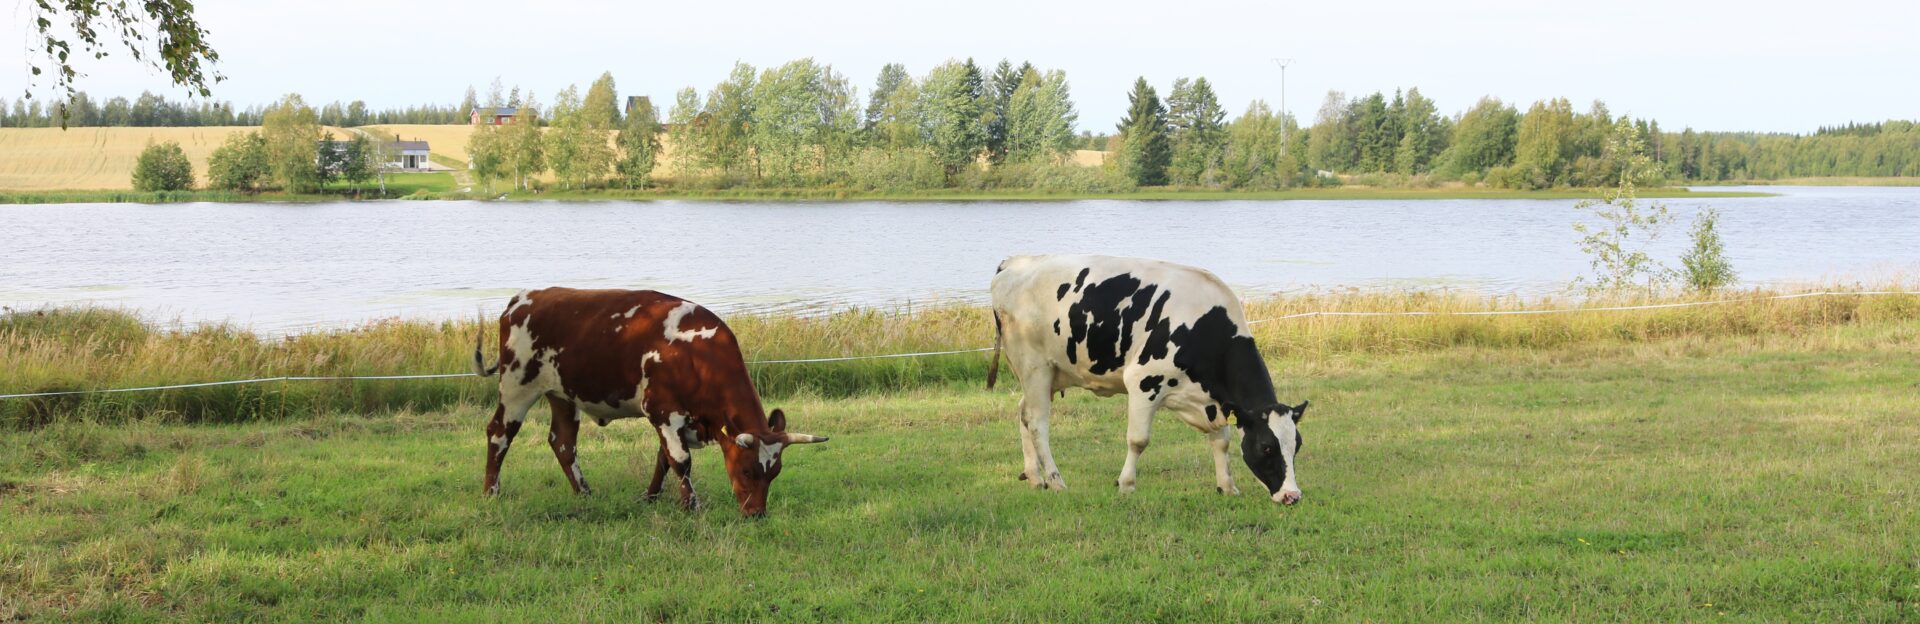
(409, 155)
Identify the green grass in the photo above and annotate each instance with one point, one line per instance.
(1336, 193)
(400, 184)
(1758, 477)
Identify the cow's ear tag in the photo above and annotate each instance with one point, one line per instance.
(1232, 420)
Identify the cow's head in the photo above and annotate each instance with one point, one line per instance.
(1270, 441)
(753, 460)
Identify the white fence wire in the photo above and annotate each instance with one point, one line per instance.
(1871, 293)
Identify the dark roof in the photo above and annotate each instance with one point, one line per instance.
(410, 145)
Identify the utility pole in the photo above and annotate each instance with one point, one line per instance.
(1283, 63)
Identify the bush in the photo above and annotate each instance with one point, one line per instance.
(1057, 177)
(1396, 180)
(163, 167)
(240, 164)
(887, 170)
(1705, 266)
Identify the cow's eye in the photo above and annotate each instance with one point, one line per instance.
(1266, 449)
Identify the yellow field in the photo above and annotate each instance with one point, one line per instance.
(51, 159)
(451, 141)
(445, 140)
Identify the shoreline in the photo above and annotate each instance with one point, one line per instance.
(22, 198)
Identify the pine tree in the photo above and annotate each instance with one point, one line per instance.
(1143, 134)
(1000, 93)
(880, 102)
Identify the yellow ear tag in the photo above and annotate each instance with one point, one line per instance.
(1232, 420)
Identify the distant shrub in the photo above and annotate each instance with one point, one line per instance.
(239, 164)
(1705, 266)
(894, 170)
(1396, 180)
(163, 167)
(1070, 178)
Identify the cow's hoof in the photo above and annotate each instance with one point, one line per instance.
(1228, 490)
(1054, 482)
(1125, 488)
(692, 503)
(649, 497)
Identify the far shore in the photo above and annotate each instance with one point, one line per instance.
(829, 194)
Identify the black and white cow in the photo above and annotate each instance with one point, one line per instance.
(1168, 335)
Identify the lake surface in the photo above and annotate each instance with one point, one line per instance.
(286, 267)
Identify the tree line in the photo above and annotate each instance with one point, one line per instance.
(802, 124)
(961, 124)
(156, 111)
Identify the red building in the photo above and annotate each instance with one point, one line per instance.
(498, 116)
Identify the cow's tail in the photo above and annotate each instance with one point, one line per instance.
(480, 365)
(993, 366)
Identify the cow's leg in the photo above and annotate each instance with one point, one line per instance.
(564, 437)
(1030, 470)
(1220, 440)
(684, 470)
(1038, 408)
(659, 474)
(1140, 408)
(677, 454)
(507, 418)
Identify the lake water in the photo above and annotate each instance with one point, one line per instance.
(281, 267)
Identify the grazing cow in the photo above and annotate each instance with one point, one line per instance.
(1168, 335)
(634, 353)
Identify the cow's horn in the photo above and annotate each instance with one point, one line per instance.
(745, 440)
(803, 438)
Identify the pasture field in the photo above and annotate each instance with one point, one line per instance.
(85, 159)
(1746, 462)
(1738, 478)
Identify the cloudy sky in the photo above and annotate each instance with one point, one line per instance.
(1765, 65)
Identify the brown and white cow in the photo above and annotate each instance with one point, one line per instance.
(634, 353)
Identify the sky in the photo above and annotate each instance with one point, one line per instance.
(1711, 65)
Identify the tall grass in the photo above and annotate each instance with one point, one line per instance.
(79, 349)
